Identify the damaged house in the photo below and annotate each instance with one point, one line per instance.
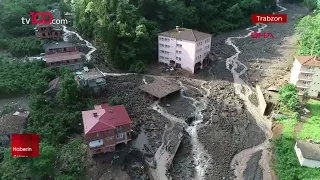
(54, 87)
(48, 31)
(93, 79)
(12, 124)
(62, 54)
(105, 127)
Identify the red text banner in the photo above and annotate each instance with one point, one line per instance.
(25, 145)
(269, 18)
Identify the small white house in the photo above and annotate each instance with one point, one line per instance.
(185, 48)
(308, 153)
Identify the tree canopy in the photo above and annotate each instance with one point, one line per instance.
(127, 30)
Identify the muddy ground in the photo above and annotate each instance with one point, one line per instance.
(231, 129)
(274, 56)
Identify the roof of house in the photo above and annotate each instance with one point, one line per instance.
(62, 56)
(54, 84)
(12, 124)
(160, 88)
(309, 150)
(89, 74)
(186, 34)
(107, 118)
(308, 60)
(44, 25)
(56, 45)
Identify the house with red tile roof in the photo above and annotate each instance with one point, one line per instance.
(105, 127)
(62, 54)
(305, 74)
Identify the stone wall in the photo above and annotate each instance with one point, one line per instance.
(262, 101)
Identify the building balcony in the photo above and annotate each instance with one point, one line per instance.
(305, 77)
(302, 90)
(300, 84)
(306, 70)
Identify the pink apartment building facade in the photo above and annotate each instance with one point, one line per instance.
(185, 48)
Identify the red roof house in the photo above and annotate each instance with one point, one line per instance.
(105, 127)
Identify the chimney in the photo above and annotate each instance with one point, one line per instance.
(178, 28)
(95, 114)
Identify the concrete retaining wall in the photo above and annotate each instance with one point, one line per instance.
(262, 101)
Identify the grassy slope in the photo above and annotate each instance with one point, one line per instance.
(312, 126)
(287, 166)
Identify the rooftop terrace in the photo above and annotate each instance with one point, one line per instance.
(89, 74)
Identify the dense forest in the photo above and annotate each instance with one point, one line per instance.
(126, 31)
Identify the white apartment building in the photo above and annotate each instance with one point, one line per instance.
(185, 48)
(305, 74)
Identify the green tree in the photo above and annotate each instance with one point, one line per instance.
(309, 30)
(23, 168)
(69, 92)
(289, 96)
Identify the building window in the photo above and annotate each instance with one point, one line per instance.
(310, 67)
(120, 135)
(179, 45)
(179, 58)
(306, 82)
(76, 60)
(119, 128)
(97, 134)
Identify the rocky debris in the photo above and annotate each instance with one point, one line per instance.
(253, 170)
(269, 58)
(190, 119)
(179, 107)
(183, 168)
(138, 107)
(254, 99)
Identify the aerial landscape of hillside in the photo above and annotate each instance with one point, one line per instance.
(159, 90)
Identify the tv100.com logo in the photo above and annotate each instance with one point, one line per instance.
(43, 15)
